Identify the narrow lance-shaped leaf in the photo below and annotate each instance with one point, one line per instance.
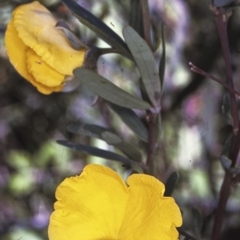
(73, 40)
(98, 26)
(107, 136)
(171, 184)
(226, 162)
(221, 3)
(163, 57)
(146, 64)
(128, 149)
(131, 119)
(107, 90)
(135, 16)
(197, 222)
(90, 130)
(226, 109)
(96, 152)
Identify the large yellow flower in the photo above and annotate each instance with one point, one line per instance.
(38, 50)
(99, 205)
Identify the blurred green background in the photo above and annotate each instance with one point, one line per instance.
(32, 164)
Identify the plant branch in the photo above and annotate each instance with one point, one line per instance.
(207, 75)
(222, 30)
(146, 22)
(151, 139)
(233, 153)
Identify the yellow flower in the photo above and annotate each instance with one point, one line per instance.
(38, 50)
(99, 205)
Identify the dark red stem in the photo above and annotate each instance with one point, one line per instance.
(227, 182)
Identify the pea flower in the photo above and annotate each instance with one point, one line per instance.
(99, 205)
(38, 50)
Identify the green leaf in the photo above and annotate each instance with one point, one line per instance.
(171, 184)
(226, 109)
(97, 26)
(136, 17)
(107, 90)
(163, 57)
(226, 162)
(90, 130)
(74, 41)
(131, 119)
(107, 136)
(234, 170)
(227, 147)
(222, 3)
(96, 152)
(197, 222)
(146, 64)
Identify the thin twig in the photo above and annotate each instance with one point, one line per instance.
(207, 75)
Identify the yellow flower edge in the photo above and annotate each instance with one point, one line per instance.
(38, 50)
(99, 205)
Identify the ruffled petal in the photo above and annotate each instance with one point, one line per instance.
(149, 215)
(16, 51)
(98, 205)
(36, 27)
(90, 206)
(42, 72)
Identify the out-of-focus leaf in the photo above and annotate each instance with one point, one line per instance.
(96, 152)
(235, 170)
(221, 3)
(226, 162)
(197, 222)
(90, 130)
(131, 119)
(162, 63)
(156, 30)
(107, 136)
(125, 147)
(135, 17)
(111, 138)
(107, 90)
(74, 41)
(226, 109)
(99, 27)
(146, 64)
(227, 146)
(171, 184)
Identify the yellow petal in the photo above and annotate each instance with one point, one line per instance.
(16, 51)
(36, 27)
(148, 212)
(90, 206)
(98, 205)
(45, 89)
(42, 72)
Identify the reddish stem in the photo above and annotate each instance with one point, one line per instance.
(151, 140)
(222, 30)
(233, 153)
(207, 75)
